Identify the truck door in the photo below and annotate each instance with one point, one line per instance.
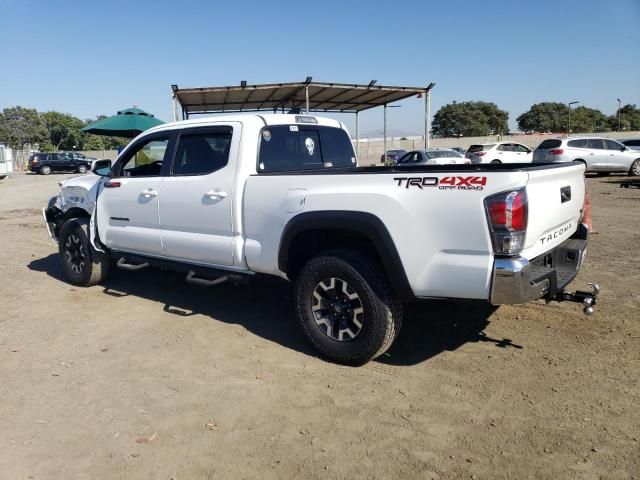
(196, 205)
(127, 207)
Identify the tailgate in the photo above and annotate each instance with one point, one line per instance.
(555, 199)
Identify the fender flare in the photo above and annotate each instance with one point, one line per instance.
(363, 223)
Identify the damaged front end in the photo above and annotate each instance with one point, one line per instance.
(76, 199)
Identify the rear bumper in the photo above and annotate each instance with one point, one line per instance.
(518, 280)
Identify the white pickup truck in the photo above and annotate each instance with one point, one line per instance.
(228, 197)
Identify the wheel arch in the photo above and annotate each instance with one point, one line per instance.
(309, 233)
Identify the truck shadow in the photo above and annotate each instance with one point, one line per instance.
(265, 308)
(432, 327)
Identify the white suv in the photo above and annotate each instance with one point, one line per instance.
(499, 152)
(599, 154)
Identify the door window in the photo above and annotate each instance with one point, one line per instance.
(611, 145)
(520, 148)
(200, 154)
(145, 161)
(580, 143)
(596, 143)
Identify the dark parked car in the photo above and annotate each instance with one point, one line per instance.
(632, 143)
(45, 163)
(393, 155)
(79, 156)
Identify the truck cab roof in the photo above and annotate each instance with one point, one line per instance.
(259, 119)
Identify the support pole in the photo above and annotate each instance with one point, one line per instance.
(384, 132)
(175, 108)
(357, 138)
(306, 94)
(426, 118)
(427, 114)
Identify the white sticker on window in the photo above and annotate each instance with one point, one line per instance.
(310, 144)
(293, 128)
(266, 134)
(261, 166)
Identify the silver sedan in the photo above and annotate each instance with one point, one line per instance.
(432, 156)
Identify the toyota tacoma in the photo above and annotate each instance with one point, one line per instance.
(225, 198)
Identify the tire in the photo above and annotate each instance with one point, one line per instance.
(635, 168)
(349, 290)
(82, 169)
(82, 264)
(496, 161)
(46, 170)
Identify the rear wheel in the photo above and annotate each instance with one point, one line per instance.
(496, 161)
(45, 170)
(346, 307)
(635, 168)
(82, 169)
(82, 264)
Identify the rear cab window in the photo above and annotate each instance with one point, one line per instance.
(286, 148)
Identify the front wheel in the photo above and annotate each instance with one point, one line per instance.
(82, 264)
(346, 307)
(635, 168)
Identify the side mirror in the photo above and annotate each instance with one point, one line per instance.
(623, 148)
(101, 168)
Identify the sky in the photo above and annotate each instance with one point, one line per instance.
(88, 58)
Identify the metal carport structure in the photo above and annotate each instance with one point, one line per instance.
(306, 96)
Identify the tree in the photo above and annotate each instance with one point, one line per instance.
(584, 119)
(468, 119)
(629, 118)
(545, 117)
(64, 130)
(22, 126)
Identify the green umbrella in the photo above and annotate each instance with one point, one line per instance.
(127, 123)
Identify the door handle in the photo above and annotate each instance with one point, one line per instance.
(149, 192)
(215, 194)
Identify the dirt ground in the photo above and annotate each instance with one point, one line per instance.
(147, 377)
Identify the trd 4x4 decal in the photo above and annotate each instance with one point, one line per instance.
(445, 183)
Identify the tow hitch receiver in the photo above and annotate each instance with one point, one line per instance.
(587, 299)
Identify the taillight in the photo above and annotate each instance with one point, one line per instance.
(556, 151)
(587, 219)
(507, 215)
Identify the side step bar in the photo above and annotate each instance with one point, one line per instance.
(122, 263)
(204, 282)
